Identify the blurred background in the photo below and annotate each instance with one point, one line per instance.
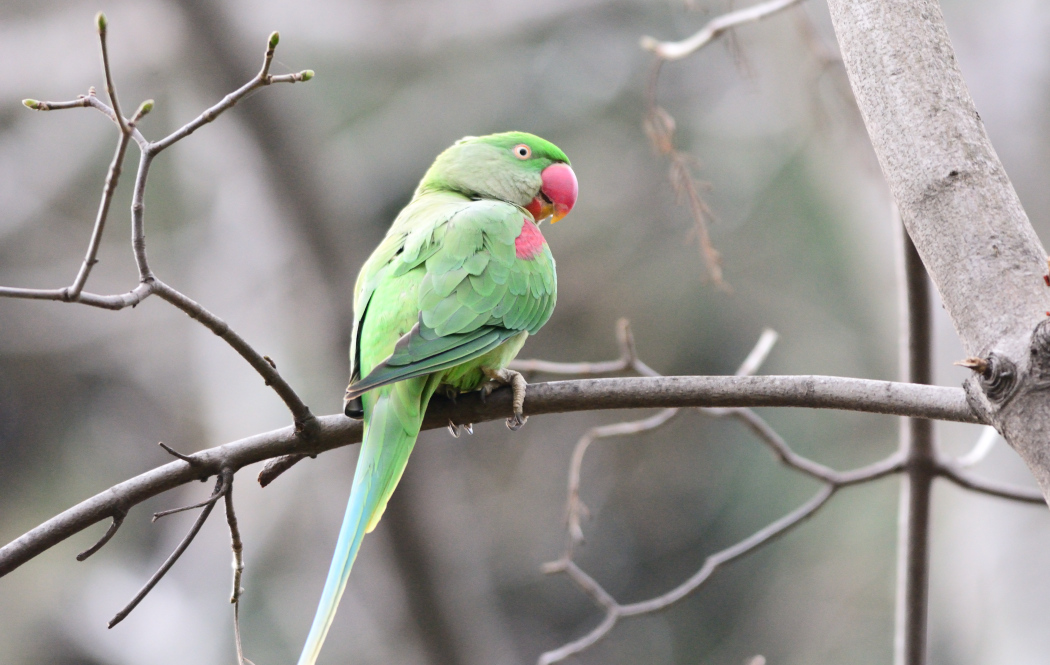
(266, 215)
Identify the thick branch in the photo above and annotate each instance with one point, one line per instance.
(557, 397)
(958, 205)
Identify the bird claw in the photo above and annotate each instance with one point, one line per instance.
(455, 429)
(515, 422)
(517, 383)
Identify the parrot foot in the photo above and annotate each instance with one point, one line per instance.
(455, 429)
(516, 381)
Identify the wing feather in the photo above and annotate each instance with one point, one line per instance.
(475, 293)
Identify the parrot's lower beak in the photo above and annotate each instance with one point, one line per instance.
(557, 194)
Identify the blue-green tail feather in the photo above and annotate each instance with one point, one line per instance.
(393, 415)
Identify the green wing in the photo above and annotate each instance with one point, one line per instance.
(475, 293)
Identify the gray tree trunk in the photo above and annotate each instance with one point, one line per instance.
(959, 208)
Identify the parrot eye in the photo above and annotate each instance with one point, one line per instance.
(522, 151)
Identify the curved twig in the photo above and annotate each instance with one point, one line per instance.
(971, 481)
(118, 519)
(616, 611)
(222, 484)
(714, 28)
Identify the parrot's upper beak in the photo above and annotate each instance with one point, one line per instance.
(557, 193)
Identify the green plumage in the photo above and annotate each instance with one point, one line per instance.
(442, 303)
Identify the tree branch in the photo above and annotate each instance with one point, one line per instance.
(971, 481)
(959, 207)
(263, 78)
(616, 611)
(557, 397)
(305, 422)
(222, 484)
(714, 28)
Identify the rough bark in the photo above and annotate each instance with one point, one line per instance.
(958, 206)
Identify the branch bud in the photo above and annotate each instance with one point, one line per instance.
(274, 38)
(307, 74)
(144, 108)
(32, 104)
(101, 23)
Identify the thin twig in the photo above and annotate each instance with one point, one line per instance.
(624, 339)
(237, 548)
(118, 519)
(714, 28)
(615, 611)
(174, 453)
(263, 78)
(304, 420)
(79, 102)
(219, 491)
(220, 488)
(575, 509)
(659, 127)
(112, 175)
(964, 478)
(149, 284)
(111, 89)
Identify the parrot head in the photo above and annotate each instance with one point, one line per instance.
(515, 167)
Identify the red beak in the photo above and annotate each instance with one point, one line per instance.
(557, 193)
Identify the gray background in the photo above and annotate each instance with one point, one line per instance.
(265, 217)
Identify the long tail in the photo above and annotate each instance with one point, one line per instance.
(391, 427)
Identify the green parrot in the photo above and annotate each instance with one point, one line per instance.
(448, 298)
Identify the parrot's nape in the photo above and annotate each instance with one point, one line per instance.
(462, 277)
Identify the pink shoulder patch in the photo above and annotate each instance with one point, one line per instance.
(529, 241)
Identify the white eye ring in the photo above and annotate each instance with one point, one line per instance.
(522, 151)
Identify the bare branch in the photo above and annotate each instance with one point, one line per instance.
(714, 28)
(219, 492)
(80, 102)
(615, 611)
(660, 125)
(118, 519)
(736, 551)
(221, 485)
(759, 353)
(263, 78)
(174, 453)
(964, 478)
(112, 176)
(625, 340)
(237, 548)
(335, 431)
(304, 420)
(575, 508)
(111, 89)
